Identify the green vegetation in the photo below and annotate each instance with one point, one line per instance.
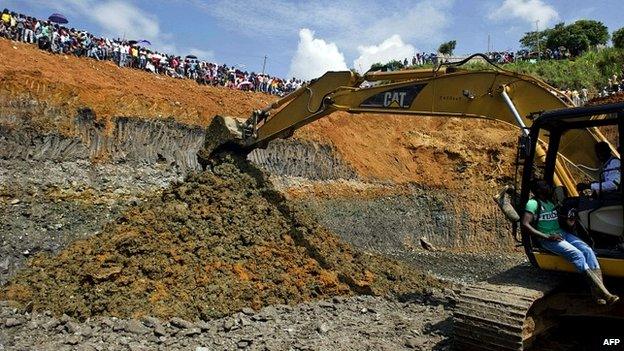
(590, 70)
(577, 37)
(447, 48)
(393, 65)
(618, 38)
(586, 64)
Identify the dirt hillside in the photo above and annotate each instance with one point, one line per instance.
(394, 148)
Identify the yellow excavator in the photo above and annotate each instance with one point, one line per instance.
(556, 142)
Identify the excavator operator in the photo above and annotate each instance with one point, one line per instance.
(542, 221)
(609, 172)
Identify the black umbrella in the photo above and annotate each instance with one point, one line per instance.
(192, 57)
(132, 42)
(58, 18)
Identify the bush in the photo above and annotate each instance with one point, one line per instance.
(591, 70)
(447, 48)
(618, 38)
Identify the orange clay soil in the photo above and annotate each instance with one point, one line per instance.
(448, 153)
(218, 242)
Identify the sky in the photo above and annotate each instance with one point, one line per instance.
(307, 38)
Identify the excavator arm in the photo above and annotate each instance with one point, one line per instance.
(444, 92)
(504, 315)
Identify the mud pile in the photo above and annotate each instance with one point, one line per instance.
(611, 99)
(218, 242)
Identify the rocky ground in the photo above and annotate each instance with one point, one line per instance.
(353, 323)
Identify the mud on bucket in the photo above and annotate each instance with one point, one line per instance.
(224, 134)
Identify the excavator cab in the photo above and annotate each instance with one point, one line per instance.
(600, 217)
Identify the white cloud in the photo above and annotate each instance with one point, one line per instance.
(348, 23)
(119, 19)
(315, 56)
(122, 18)
(526, 10)
(116, 18)
(392, 48)
(422, 22)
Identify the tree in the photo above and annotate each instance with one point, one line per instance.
(393, 65)
(576, 37)
(377, 67)
(447, 48)
(618, 38)
(530, 40)
(572, 37)
(595, 31)
(555, 36)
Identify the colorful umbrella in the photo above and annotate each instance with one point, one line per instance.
(58, 18)
(144, 42)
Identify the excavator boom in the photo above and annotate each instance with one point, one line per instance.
(504, 315)
(450, 91)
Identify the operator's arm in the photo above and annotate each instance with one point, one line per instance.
(610, 176)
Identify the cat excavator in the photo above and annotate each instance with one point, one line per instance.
(556, 142)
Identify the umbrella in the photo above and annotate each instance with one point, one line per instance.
(58, 18)
(132, 42)
(192, 57)
(144, 41)
(249, 84)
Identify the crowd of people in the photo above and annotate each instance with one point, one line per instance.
(614, 86)
(56, 38)
(581, 96)
(578, 96)
(422, 58)
(500, 57)
(525, 55)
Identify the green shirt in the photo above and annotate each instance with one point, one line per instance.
(548, 222)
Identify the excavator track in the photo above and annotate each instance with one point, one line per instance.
(500, 316)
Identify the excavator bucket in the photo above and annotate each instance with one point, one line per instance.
(223, 134)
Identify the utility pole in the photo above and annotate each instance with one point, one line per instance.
(539, 54)
(264, 64)
(488, 48)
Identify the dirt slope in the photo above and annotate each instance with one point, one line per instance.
(434, 151)
(72, 83)
(394, 148)
(221, 241)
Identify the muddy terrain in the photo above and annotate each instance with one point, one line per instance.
(355, 234)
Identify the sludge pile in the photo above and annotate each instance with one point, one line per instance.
(220, 241)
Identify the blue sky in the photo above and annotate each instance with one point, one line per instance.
(306, 38)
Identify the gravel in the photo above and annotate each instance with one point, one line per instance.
(360, 323)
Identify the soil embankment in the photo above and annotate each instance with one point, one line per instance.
(102, 124)
(387, 148)
(100, 193)
(218, 242)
